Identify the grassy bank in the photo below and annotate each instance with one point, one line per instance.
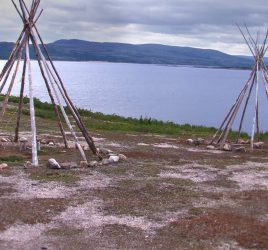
(98, 121)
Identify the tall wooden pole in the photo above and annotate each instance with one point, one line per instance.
(32, 111)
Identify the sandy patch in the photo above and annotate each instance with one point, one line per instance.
(165, 145)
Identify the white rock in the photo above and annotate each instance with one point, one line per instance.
(51, 144)
(227, 147)
(4, 140)
(190, 141)
(93, 164)
(23, 139)
(114, 159)
(105, 162)
(211, 147)
(122, 157)
(3, 166)
(258, 145)
(53, 164)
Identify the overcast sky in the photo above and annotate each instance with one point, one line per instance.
(195, 23)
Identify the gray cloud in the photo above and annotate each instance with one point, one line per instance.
(198, 23)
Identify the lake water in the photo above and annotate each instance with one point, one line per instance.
(197, 96)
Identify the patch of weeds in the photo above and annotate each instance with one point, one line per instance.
(114, 170)
(67, 177)
(146, 197)
(223, 181)
(12, 159)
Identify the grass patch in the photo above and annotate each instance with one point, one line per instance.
(58, 176)
(12, 159)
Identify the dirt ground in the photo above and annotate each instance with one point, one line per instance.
(168, 195)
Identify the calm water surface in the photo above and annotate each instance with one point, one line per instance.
(180, 94)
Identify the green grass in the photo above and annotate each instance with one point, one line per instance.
(99, 121)
(12, 159)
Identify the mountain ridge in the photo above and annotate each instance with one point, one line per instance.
(81, 50)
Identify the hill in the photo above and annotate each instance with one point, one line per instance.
(79, 50)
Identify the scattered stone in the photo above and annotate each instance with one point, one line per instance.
(211, 147)
(4, 140)
(53, 164)
(44, 141)
(27, 164)
(190, 141)
(241, 141)
(240, 149)
(227, 147)
(259, 145)
(105, 162)
(83, 164)
(23, 139)
(114, 159)
(93, 164)
(51, 144)
(122, 157)
(68, 165)
(3, 166)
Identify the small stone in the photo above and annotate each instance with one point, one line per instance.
(190, 141)
(114, 159)
(23, 139)
(27, 164)
(44, 141)
(83, 164)
(201, 141)
(259, 145)
(53, 164)
(51, 144)
(241, 141)
(227, 147)
(105, 162)
(4, 140)
(3, 166)
(122, 157)
(68, 165)
(240, 149)
(93, 164)
(211, 147)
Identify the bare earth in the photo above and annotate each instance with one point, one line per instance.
(166, 196)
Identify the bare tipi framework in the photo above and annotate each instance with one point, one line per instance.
(54, 84)
(258, 49)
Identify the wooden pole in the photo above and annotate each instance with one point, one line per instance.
(21, 100)
(32, 111)
(256, 107)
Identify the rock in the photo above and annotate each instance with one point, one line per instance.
(240, 149)
(4, 140)
(23, 139)
(68, 165)
(259, 145)
(190, 141)
(44, 141)
(27, 164)
(114, 159)
(53, 164)
(105, 162)
(227, 147)
(241, 141)
(122, 157)
(83, 164)
(3, 166)
(51, 144)
(93, 164)
(211, 147)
